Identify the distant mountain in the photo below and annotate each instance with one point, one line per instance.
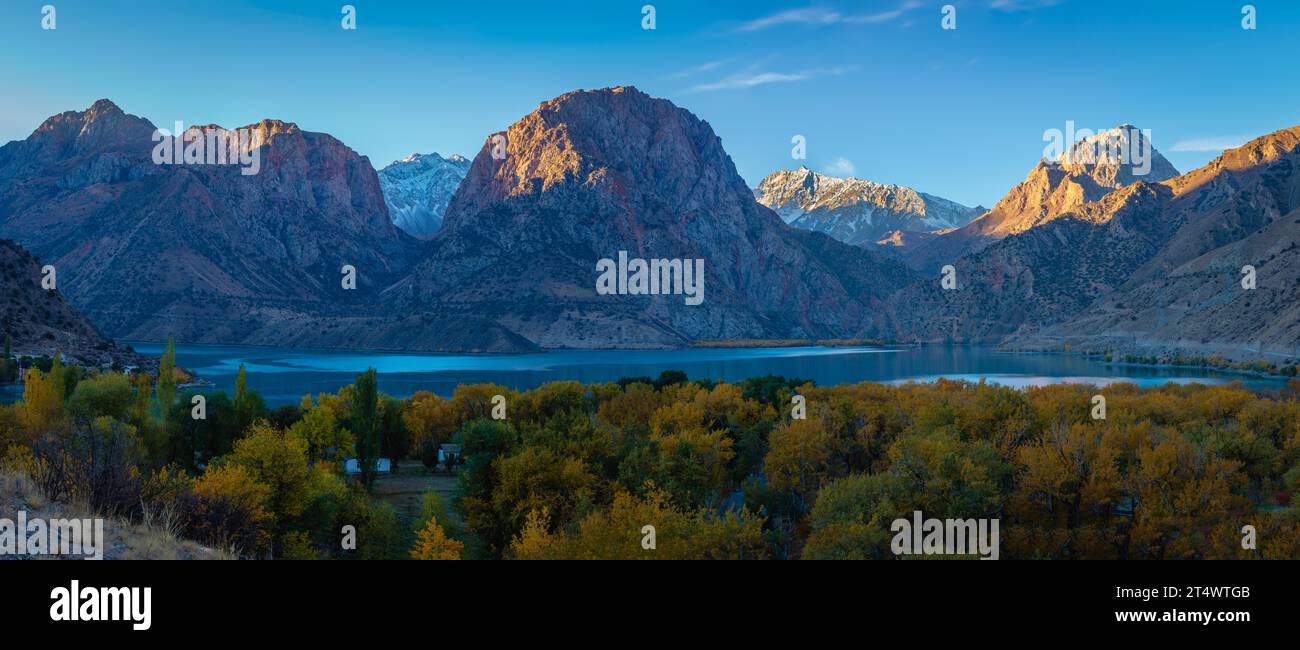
(1053, 188)
(40, 321)
(592, 173)
(417, 189)
(857, 211)
(1146, 266)
(203, 251)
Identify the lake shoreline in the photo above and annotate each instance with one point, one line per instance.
(1105, 358)
(284, 375)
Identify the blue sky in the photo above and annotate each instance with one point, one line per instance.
(876, 87)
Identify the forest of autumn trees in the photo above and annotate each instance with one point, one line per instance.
(718, 470)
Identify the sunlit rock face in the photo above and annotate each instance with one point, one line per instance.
(592, 173)
(1086, 171)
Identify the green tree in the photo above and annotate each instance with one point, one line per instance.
(326, 440)
(852, 516)
(669, 378)
(166, 388)
(395, 441)
(104, 394)
(481, 443)
(433, 506)
(366, 425)
(195, 442)
(241, 387)
(58, 376)
(249, 406)
(140, 404)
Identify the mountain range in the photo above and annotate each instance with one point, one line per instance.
(203, 252)
(1096, 253)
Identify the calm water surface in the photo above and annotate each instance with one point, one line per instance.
(285, 375)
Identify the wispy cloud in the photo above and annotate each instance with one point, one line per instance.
(751, 79)
(818, 16)
(810, 16)
(699, 69)
(841, 167)
(1023, 5)
(1210, 145)
(884, 16)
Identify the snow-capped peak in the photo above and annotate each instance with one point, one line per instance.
(856, 210)
(418, 187)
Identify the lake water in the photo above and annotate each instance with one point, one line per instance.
(284, 375)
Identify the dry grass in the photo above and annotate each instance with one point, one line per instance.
(154, 538)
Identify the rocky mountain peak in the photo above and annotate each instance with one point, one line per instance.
(1116, 157)
(100, 128)
(609, 141)
(266, 130)
(102, 107)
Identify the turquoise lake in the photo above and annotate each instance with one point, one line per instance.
(283, 375)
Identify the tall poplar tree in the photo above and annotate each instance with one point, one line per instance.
(365, 424)
(166, 387)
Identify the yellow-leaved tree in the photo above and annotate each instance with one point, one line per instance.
(799, 457)
(647, 527)
(230, 510)
(433, 544)
(278, 461)
(42, 406)
(430, 418)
